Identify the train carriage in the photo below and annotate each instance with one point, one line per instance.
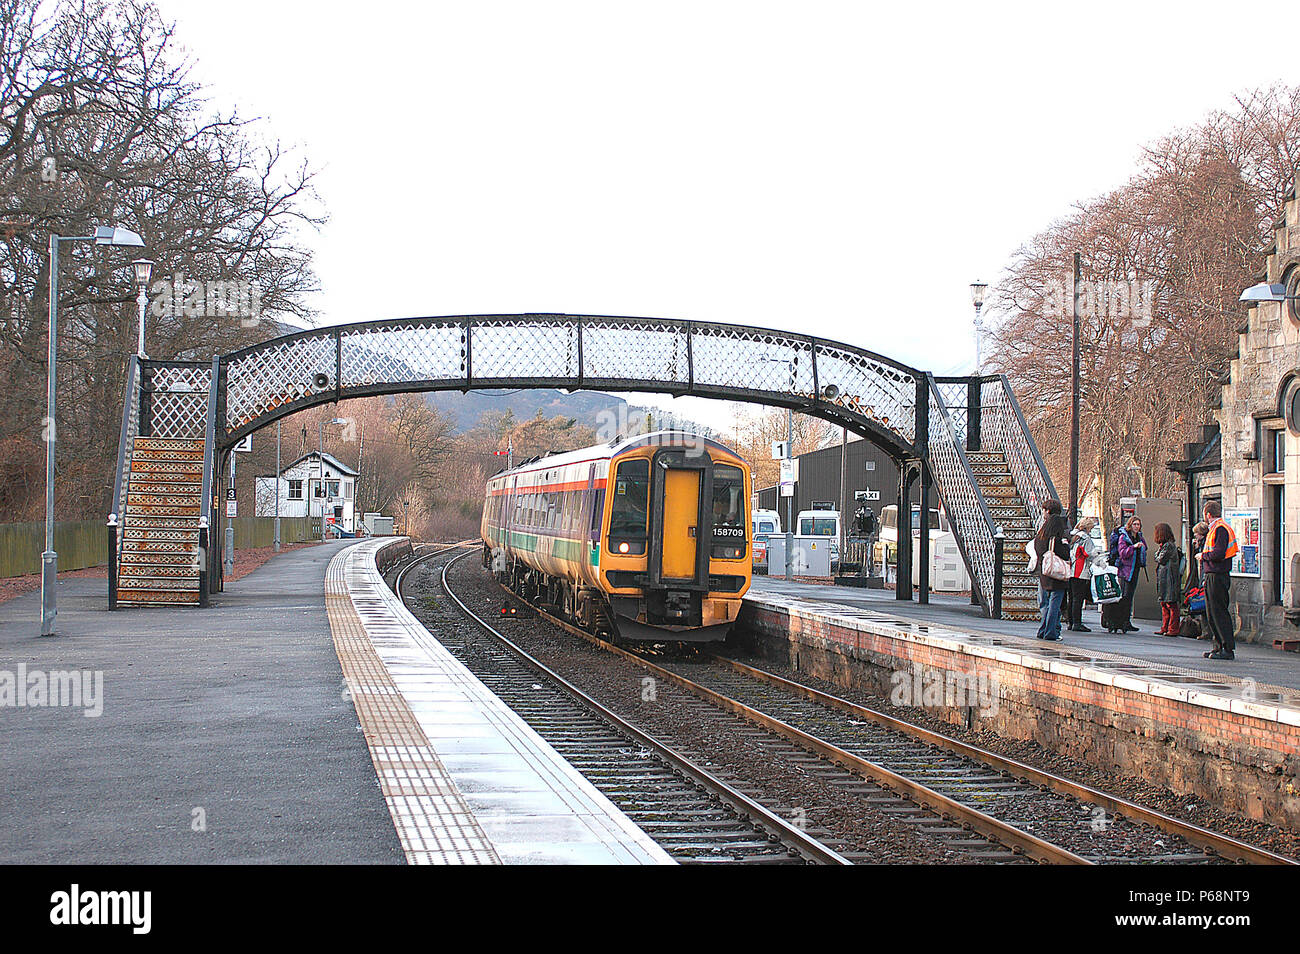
(645, 538)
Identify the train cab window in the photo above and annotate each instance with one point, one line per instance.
(630, 509)
(729, 513)
(728, 496)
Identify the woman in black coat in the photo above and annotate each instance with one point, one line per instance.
(1053, 535)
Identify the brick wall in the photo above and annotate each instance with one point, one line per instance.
(1242, 755)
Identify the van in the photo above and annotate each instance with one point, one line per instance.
(763, 524)
(821, 523)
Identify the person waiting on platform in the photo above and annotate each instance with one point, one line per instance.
(1169, 579)
(1051, 540)
(1132, 558)
(1083, 550)
(1216, 565)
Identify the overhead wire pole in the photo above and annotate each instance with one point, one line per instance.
(1074, 395)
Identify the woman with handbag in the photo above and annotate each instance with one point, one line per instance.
(1052, 560)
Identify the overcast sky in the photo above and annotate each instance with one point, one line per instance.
(830, 168)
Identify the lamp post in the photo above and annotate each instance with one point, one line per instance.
(143, 268)
(977, 292)
(324, 496)
(276, 542)
(789, 453)
(104, 235)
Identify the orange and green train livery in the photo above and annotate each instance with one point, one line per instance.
(645, 538)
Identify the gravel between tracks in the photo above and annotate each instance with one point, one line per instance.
(1148, 794)
(784, 784)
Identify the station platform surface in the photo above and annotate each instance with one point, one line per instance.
(1258, 672)
(467, 780)
(224, 734)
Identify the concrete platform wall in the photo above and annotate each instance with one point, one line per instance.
(1235, 753)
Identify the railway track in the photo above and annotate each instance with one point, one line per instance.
(697, 817)
(1020, 810)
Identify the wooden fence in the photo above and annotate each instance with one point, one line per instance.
(84, 543)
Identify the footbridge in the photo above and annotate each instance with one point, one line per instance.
(962, 437)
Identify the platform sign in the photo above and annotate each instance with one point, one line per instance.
(789, 476)
(232, 506)
(1245, 524)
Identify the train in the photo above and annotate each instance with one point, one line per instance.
(643, 539)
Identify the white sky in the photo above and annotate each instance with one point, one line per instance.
(829, 168)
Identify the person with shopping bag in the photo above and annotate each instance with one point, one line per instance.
(1083, 553)
(1132, 558)
(1051, 558)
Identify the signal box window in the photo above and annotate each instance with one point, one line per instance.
(295, 490)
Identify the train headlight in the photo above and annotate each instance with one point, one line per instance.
(624, 547)
(727, 551)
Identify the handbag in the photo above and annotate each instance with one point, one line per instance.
(1054, 566)
(1105, 584)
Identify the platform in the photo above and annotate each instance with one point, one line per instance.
(223, 737)
(467, 780)
(1138, 704)
(1265, 665)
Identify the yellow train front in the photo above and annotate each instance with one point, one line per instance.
(644, 539)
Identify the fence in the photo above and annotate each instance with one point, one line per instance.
(79, 543)
(260, 531)
(84, 543)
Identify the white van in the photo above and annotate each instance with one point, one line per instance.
(763, 524)
(821, 523)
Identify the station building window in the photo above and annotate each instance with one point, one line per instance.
(1291, 281)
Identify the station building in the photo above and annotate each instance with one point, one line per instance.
(1250, 461)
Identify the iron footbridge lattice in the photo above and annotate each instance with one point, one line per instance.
(233, 395)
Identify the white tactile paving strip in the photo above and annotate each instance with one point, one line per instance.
(1226, 693)
(503, 794)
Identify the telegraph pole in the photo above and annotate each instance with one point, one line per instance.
(1074, 396)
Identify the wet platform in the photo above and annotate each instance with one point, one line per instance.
(1261, 680)
(222, 737)
(467, 781)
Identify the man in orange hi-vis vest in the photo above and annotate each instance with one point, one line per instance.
(1216, 565)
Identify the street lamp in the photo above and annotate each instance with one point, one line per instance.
(143, 268)
(977, 292)
(324, 496)
(104, 235)
(789, 453)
